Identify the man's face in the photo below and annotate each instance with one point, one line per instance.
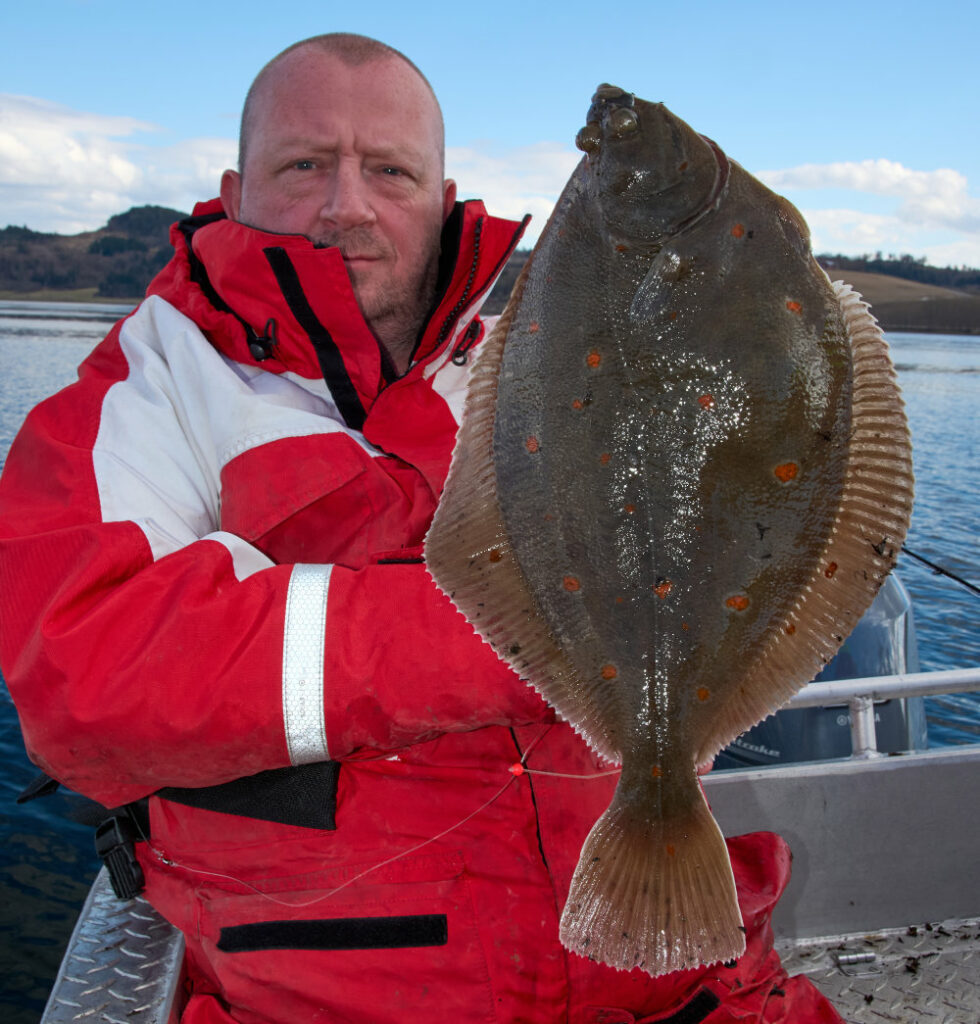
(350, 156)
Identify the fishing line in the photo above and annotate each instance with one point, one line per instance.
(940, 571)
(516, 770)
(521, 769)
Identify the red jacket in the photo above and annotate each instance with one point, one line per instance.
(210, 567)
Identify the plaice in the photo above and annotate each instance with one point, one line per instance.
(682, 474)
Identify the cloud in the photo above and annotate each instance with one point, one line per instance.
(934, 213)
(513, 181)
(67, 170)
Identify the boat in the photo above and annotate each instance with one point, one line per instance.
(883, 909)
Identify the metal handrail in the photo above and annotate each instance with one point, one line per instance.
(860, 694)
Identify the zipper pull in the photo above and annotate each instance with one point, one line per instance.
(467, 340)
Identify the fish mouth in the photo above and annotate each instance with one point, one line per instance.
(612, 115)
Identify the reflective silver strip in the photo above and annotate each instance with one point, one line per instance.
(302, 663)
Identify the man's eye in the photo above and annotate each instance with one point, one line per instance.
(393, 172)
(304, 165)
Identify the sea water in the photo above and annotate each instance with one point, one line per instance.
(47, 860)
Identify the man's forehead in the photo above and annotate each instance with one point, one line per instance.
(323, 71)
(390, 98)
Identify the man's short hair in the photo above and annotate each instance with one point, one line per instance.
(354, 50)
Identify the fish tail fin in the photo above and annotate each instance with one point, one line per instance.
(658, 895)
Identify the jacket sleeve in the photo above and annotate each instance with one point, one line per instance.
(144, 647)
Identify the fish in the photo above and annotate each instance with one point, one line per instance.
(682, 473)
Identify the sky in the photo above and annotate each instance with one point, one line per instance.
(863, 114)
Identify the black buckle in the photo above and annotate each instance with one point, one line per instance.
(115, 842)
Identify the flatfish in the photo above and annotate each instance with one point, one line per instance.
(682, 474)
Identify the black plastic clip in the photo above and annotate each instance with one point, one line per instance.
(115, 842)
(261, 346)
(470, 337)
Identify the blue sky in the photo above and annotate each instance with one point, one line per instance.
(865, 115)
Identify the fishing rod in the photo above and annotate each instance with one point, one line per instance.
(940, 571)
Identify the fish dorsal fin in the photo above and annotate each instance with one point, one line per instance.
(868, 532)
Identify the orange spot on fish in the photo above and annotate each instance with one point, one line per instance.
(577, 404)
(738, 602)
(790, 629)
(685, 626)
(495, 555)
(673, 314)
(671, 850)
(703, 694)
(620, 600)
(593, 359)
(533, 327)
(604, 458)
(622, 248)
(531, 444)
(738, 230)
(794, 307)
(707, 401)
(682, 166)
(629, 509)
(662, 588)
(656, 771)
(786, 471)
(830, 570)
(571, 584)
(609, 672)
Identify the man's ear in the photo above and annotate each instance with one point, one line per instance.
(231, 193)
(448, 197)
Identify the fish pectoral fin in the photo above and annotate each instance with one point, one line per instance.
(655, 895)
(654, 291)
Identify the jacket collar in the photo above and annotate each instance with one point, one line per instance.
(278, 302)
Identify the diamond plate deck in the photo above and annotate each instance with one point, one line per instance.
(122, 964)
(922, 974)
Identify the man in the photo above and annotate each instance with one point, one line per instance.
(213, 596)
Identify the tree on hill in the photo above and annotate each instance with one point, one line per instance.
(143, 221)
(905, 266)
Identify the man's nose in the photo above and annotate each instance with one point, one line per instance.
(347, 200)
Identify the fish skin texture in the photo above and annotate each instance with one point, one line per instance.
(683, 473)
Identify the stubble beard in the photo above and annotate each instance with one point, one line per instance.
(394, 310)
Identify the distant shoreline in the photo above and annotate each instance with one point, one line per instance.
(67, 295)
(931, 315)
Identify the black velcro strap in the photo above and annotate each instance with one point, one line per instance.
(331, 361)
(40, 785)
(303, 795)
(337, 933)
(696, 1010)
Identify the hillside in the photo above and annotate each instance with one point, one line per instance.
(902, 305)
(115, 262)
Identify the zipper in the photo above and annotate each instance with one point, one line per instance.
(451, 317)
(460, 353)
